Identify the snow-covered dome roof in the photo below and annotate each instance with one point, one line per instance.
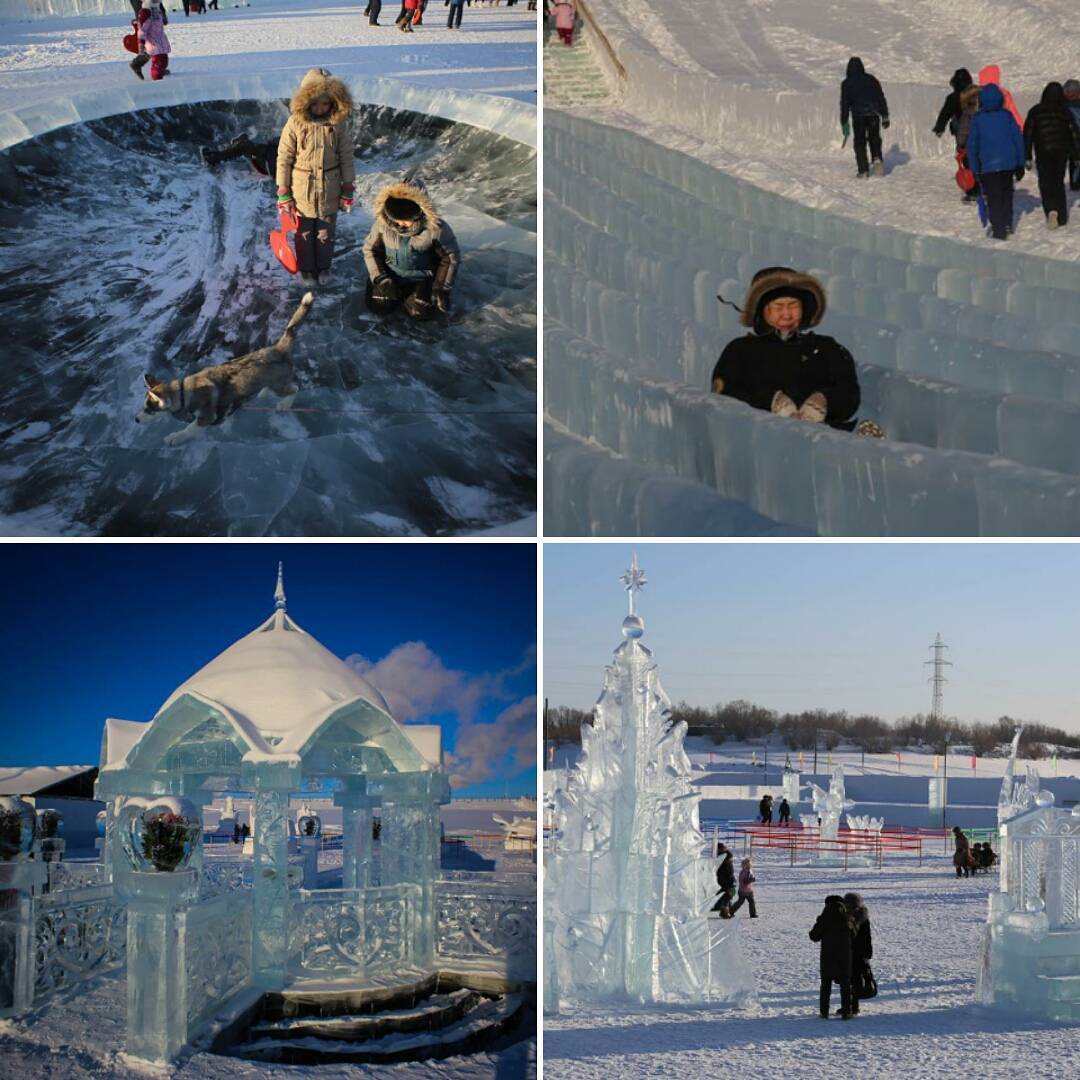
(279, 681)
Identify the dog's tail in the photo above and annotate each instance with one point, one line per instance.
(286, 339)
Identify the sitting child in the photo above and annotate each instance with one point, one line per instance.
(410, 253)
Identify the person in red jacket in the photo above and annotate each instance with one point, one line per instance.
(991, 75)
(404, 20)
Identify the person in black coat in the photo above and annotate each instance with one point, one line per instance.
(1051, 134)
(862, 947)
(765, 809)
(836, 933)
(950, 110)
(862, 98)
(725, 878)
(781, 367)
(785, 812)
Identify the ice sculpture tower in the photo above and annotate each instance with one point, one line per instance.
(629, 881)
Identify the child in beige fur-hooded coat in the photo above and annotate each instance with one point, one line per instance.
(315, 169)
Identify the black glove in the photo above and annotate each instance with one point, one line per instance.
(884, 122)
(1019, 174)
(442, 300)
(386, 288)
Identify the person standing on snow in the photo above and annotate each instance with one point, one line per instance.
(950, 110)
(836, 932)
(453, 17)
(995, 150)
(565, 20)
(991, 76)
(765, 809)
(746, 889)
(725, 879)
(1052, 135)
(862, 98)
(862, 947)
(1072, 98)
(780, 366)
(785, 812)
(316, 172)
(153, 41)
(962, 854)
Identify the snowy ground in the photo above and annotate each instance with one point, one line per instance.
(791, 59)
(494, 52)
(926, 929)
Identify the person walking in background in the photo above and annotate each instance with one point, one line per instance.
(995, 150)
(1052, 138)
(565, 20)
(725, 879)
(746, 889)
(862, 949)
(374, 9)
(453, 18)
(835, 932)
(991, 76)
(862, 98)
(153, 39)
(950, 110)
(1072, 98)
(765, 809)
(785, 812)
(962, 853)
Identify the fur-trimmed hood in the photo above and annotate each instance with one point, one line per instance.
(773, 282)
(413, 190)
(317, 83)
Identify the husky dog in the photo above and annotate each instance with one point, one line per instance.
(206, 397)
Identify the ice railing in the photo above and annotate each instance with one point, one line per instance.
(1042, 871)
(489, 926)
(357, 932)
(502, 116)
(638, 243)
(78, 933)
(217, 952)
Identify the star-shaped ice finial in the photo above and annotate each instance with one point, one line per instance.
(634, 581)
(279, 592)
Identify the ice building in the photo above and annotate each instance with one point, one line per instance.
(249, 954)
(628, 881)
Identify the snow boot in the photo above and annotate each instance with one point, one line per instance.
(878, 167)
(861, 175)
(137, 68)
(1052, 220)
(869, 429)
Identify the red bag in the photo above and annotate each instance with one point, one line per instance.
(131, 41)
(281, 244)
(965, 178)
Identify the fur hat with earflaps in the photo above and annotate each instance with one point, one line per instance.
(317, 83)
(406, 200)
(773, 283)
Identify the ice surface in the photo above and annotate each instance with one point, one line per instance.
(628, 880)
(972, 375)
(388, 416)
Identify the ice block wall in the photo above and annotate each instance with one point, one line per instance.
(48, 9)
(969, 357)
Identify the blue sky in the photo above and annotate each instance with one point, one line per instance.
(97, 630)
(836, 626)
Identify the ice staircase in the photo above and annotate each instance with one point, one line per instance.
(572, 74)
(968, 356)
(431, 1019)
(1058, 974)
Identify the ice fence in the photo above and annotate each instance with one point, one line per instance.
(969, 358)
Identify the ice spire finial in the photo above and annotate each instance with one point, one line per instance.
(634, 581)
(279, 592)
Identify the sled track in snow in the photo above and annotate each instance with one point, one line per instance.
(397, 429)
(969, 357)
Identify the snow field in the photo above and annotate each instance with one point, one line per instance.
(926, 929)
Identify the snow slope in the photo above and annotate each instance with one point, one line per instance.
(926, 928)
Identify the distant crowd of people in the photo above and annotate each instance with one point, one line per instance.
(968, 858)
(765, 810)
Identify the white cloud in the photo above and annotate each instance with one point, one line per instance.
(417, 684)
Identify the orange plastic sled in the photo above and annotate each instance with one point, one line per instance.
(281, 241)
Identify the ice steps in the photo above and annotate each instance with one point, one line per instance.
(1061, 987)
(476, 1029)
(572, 74)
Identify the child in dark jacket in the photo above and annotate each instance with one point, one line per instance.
(950, 110)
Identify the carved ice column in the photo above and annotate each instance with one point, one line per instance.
(356, 841)
(20, 878)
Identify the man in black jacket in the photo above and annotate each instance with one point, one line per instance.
(862, 947)
(835, 932)
(781, 367)
(1051, 134)
(950, 110)
(862, 98)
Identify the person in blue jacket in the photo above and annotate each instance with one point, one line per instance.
(862, 98)
(1072, 98)
(995, 150)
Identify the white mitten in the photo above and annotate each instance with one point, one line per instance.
(782, 405)
(814, 408)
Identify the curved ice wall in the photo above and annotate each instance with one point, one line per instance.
(969, 357)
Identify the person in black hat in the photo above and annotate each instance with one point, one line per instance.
(410, 253)
(783, 368)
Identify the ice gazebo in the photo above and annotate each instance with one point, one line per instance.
(244, 943)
